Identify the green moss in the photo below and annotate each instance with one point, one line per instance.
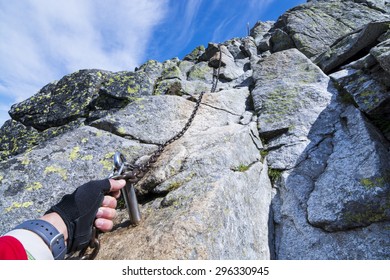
(173, 186)
(264, 153)
(200, 72)
(274, 174)
(171, 87)
(376, 182)
(369, 213)
(366, 216)
(14, 145)
(281, 103)
(56, 170)
(135, 99)
(121, 203)
(241, 168)
(171, 73)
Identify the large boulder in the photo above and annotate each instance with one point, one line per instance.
(347, 47)
(289, 95)
(315, 26)
(327, 161)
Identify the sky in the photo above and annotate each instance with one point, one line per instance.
(43, 40)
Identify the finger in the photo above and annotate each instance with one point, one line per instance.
(115, 194)
(104, 224)
(109, 201)
(106, 213)
(116, 185)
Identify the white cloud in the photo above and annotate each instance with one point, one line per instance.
(250, 12)
(4, 112)
(42, 40)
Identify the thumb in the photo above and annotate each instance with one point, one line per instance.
(116, 185)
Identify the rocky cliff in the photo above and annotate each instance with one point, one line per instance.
(287, 159)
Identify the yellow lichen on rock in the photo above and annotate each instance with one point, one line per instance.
(16, 205)
(74, 154)
(34, 186)
(107, 161)
(58, 170)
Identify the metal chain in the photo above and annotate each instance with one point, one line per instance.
(137, 172)
(134, 173)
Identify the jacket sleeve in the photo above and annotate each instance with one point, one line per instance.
(34, 246)
(11, 249)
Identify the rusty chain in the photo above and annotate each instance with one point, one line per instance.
(137, 172)
(134, 173)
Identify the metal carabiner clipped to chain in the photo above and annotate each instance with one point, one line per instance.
(121, 168)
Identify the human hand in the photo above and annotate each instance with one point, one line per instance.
(79, 210)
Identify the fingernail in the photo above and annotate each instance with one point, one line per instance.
(99, 223)
(99, 213)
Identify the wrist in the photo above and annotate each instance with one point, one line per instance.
(53, 238)
(56, 220)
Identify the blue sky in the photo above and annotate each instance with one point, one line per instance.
(43, 40)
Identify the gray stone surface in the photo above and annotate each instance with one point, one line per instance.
(366, 82)
(317, 25)
(289, 95)
(260, 29)
(354, 189)
(381, 52)
(283, 161)
(33, 181)
(203, 215)
(350, 45)
(303, 195)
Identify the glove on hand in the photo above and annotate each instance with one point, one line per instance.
(78, 210)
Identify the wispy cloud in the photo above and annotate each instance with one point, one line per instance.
(235, 24)
(191, 10)
(42, 40)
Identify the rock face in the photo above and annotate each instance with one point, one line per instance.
(287, 159)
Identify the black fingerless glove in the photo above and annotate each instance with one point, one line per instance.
(78, 210)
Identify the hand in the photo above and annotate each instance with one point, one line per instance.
(75, 214)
